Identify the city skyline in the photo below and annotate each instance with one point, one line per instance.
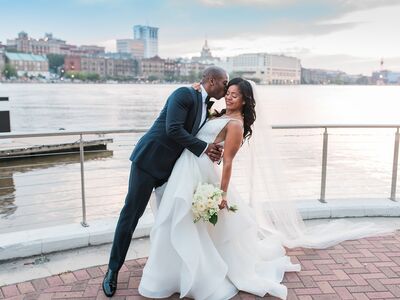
(348, 35)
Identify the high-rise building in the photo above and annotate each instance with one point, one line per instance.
(133, 47)
(149, 36)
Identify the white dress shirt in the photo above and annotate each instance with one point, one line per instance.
(204, 108)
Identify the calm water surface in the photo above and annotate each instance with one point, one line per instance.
(46, 191)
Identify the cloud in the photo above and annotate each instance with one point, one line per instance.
(295, 28)
(338, 5)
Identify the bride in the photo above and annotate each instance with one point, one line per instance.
(202, 261)
(244, 250)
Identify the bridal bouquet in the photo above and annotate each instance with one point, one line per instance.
(205, 203)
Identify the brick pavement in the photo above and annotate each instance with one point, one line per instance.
(361, 269)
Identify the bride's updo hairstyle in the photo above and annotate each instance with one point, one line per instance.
(249, 108)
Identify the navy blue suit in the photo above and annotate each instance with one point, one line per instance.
(153, 159)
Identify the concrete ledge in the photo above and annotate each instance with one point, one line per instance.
(70, 236)
(58, 238)
(348, 208)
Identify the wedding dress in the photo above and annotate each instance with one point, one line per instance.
(202, 261)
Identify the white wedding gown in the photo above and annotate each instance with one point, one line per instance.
(202, 261)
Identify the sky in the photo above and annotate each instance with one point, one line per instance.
(347, 35)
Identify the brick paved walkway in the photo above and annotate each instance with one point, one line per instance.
(362, 269)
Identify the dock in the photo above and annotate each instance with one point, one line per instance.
(23, 148)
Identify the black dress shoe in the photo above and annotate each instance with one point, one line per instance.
(110, 283)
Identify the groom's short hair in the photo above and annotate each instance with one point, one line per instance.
(213, 72)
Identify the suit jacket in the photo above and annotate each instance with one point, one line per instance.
(172, 132)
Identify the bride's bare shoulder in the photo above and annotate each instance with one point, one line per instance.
(235, 128)
(235, 124)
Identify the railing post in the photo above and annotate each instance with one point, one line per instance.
(324, 163)
(395, 163)
(82, 159)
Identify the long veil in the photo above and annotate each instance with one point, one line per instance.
(267, 190)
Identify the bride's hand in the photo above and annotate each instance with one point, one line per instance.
(223, 204)
(197, 86)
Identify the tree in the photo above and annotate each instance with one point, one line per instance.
(152, 78)
(362, 80)
(55, 61)
(92, 76)
(9, 71)
(193, 76)
(74, 75)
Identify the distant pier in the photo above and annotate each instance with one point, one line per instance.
(19, 149)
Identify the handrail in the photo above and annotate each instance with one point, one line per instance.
(9, 135)
(66, 133)
(142, 130)
(322, 199)
(310, 126)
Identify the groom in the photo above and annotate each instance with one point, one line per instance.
(156, 153)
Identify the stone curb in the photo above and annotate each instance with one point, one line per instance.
(70, 236)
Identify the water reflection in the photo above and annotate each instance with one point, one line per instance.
(9, 168)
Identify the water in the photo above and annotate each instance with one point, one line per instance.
(46, 191)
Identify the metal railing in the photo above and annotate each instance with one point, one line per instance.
(325, 151)
(324, 163)
(81, 134)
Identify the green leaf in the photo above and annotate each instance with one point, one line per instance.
(214, 219)
(233, 208)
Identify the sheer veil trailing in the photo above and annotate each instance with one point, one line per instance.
(259, 176)
(268, 193)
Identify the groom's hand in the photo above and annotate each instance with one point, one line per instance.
(214, 152)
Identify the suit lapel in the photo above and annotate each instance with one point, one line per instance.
(199, 110)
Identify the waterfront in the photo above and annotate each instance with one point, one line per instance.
(46, 191)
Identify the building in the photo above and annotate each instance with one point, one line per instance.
(55, 45)
(265, 68)
(131, 46)
(2, 61)
(385, 77)
(320, 76)
(72, 63)
(122, 68)
(48, 44)
(152, 67)
(206, 56)
(191, 69)
(171, 69)
(91, 50)
(393, 77)
(103, 66)
(28, 64)
(149, 36)
(314, 76)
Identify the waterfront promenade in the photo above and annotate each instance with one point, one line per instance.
(361, 269)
